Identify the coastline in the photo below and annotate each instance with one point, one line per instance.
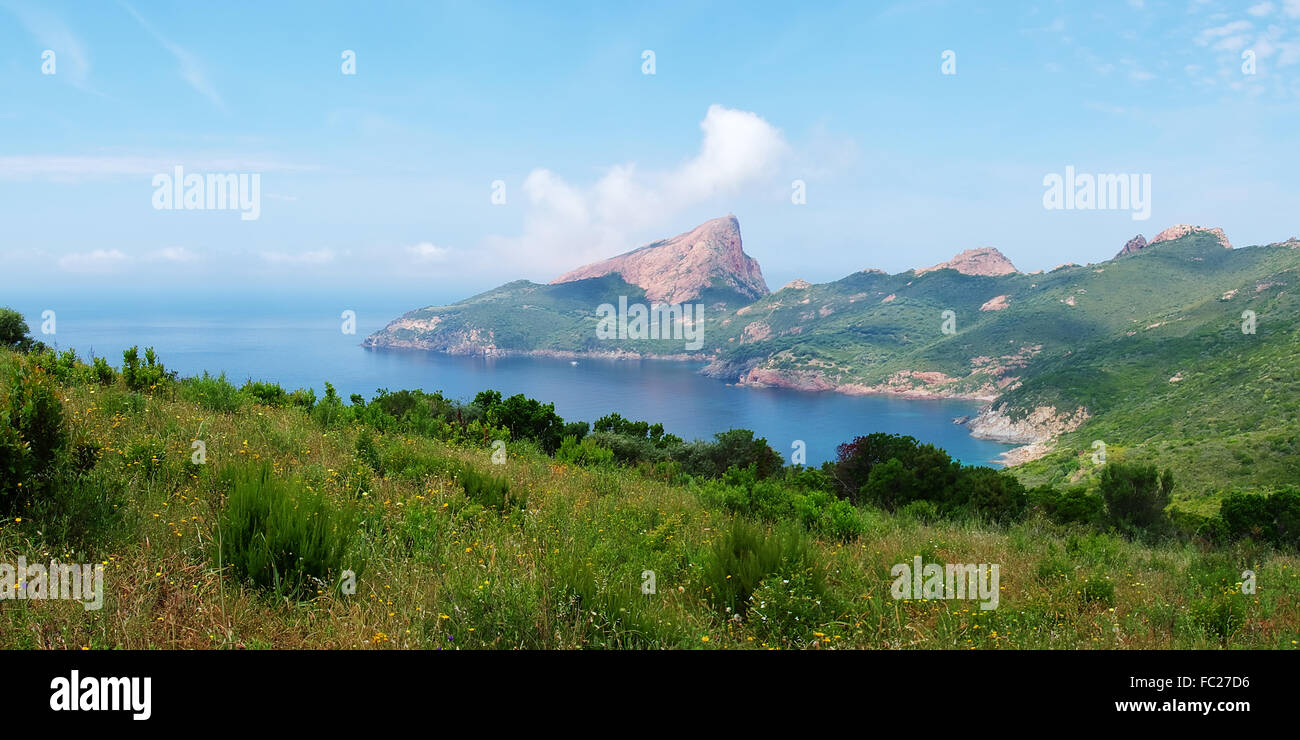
(1034, 434)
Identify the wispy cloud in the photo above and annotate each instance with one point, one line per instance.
(314, 257)
(72, 60)
(428, 252)
(75, 168)
(191, 69)
(95, 261)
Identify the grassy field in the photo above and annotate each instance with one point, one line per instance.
(437, 570)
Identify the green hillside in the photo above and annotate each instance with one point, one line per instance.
(1149, 345)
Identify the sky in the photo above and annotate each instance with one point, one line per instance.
(477, 143)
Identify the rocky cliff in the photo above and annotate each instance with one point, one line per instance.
(679, 269)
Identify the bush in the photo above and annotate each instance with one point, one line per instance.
(586, 453)
(267, 394)
(488, 491)
(367, 453)
(33, 437)
(789, 608)
(1274, 519)
(855, 460)
(1136, 496)
(824, 513)
(744, 555)
(102, 372)
(215, 394)
(281, 537)
(1071, 506)
(1247, 515)
(734, 448)
(330, 411)
(144, 377)
(988, 492)
(524, 417)
(13, 331)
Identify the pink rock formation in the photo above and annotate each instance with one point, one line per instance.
(1133, 245)
(679, 269)
(1174, 232)
(983, 261)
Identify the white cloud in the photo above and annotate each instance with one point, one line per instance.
(565, 224)
(74, 168)
(173, 254)
(99, 260)
(428, 252)
(315, 257)
(1227, 29)
(1291, 8)
(1260, 10)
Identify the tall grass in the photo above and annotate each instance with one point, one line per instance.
(282, 537)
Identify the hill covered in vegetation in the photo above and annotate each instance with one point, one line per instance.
(258, 517)
(1179, 350)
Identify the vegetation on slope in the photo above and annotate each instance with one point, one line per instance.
(449, 548)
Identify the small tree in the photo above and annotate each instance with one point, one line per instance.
(1136, 495)
(13, 331)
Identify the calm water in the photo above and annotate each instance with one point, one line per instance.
(305, 347)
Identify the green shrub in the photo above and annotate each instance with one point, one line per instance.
(82, 510)
(212, 393)
(790, 608)
(586, 453)
(102, 372)
(1097, 589)
(143, 377)
(745, 554)
(1247, 515)
(488, 491)
(267, 394)
(33, 436)
(281, 537)
(825, 514)
(367, 453)
(991, 493)
(13, 331)
(922, 511)
(1070, 506)
(304, 398)
(1136, 496)
(1274, 519)
(330, 411)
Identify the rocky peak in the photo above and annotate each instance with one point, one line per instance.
(1181, 230)
(1133, 245)
(679, 269)
(798, 284)
(986, 261)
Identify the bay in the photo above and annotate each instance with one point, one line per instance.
(304, 346)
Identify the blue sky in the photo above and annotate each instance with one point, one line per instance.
(381, 182)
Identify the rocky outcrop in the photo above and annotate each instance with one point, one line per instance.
(1037, 427)
(996, 303)
(985, 261)
(1133, 245)
(679, 269)
(1181, 230)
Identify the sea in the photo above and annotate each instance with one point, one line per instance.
(304, 343)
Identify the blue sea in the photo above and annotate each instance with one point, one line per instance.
(300, 342)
